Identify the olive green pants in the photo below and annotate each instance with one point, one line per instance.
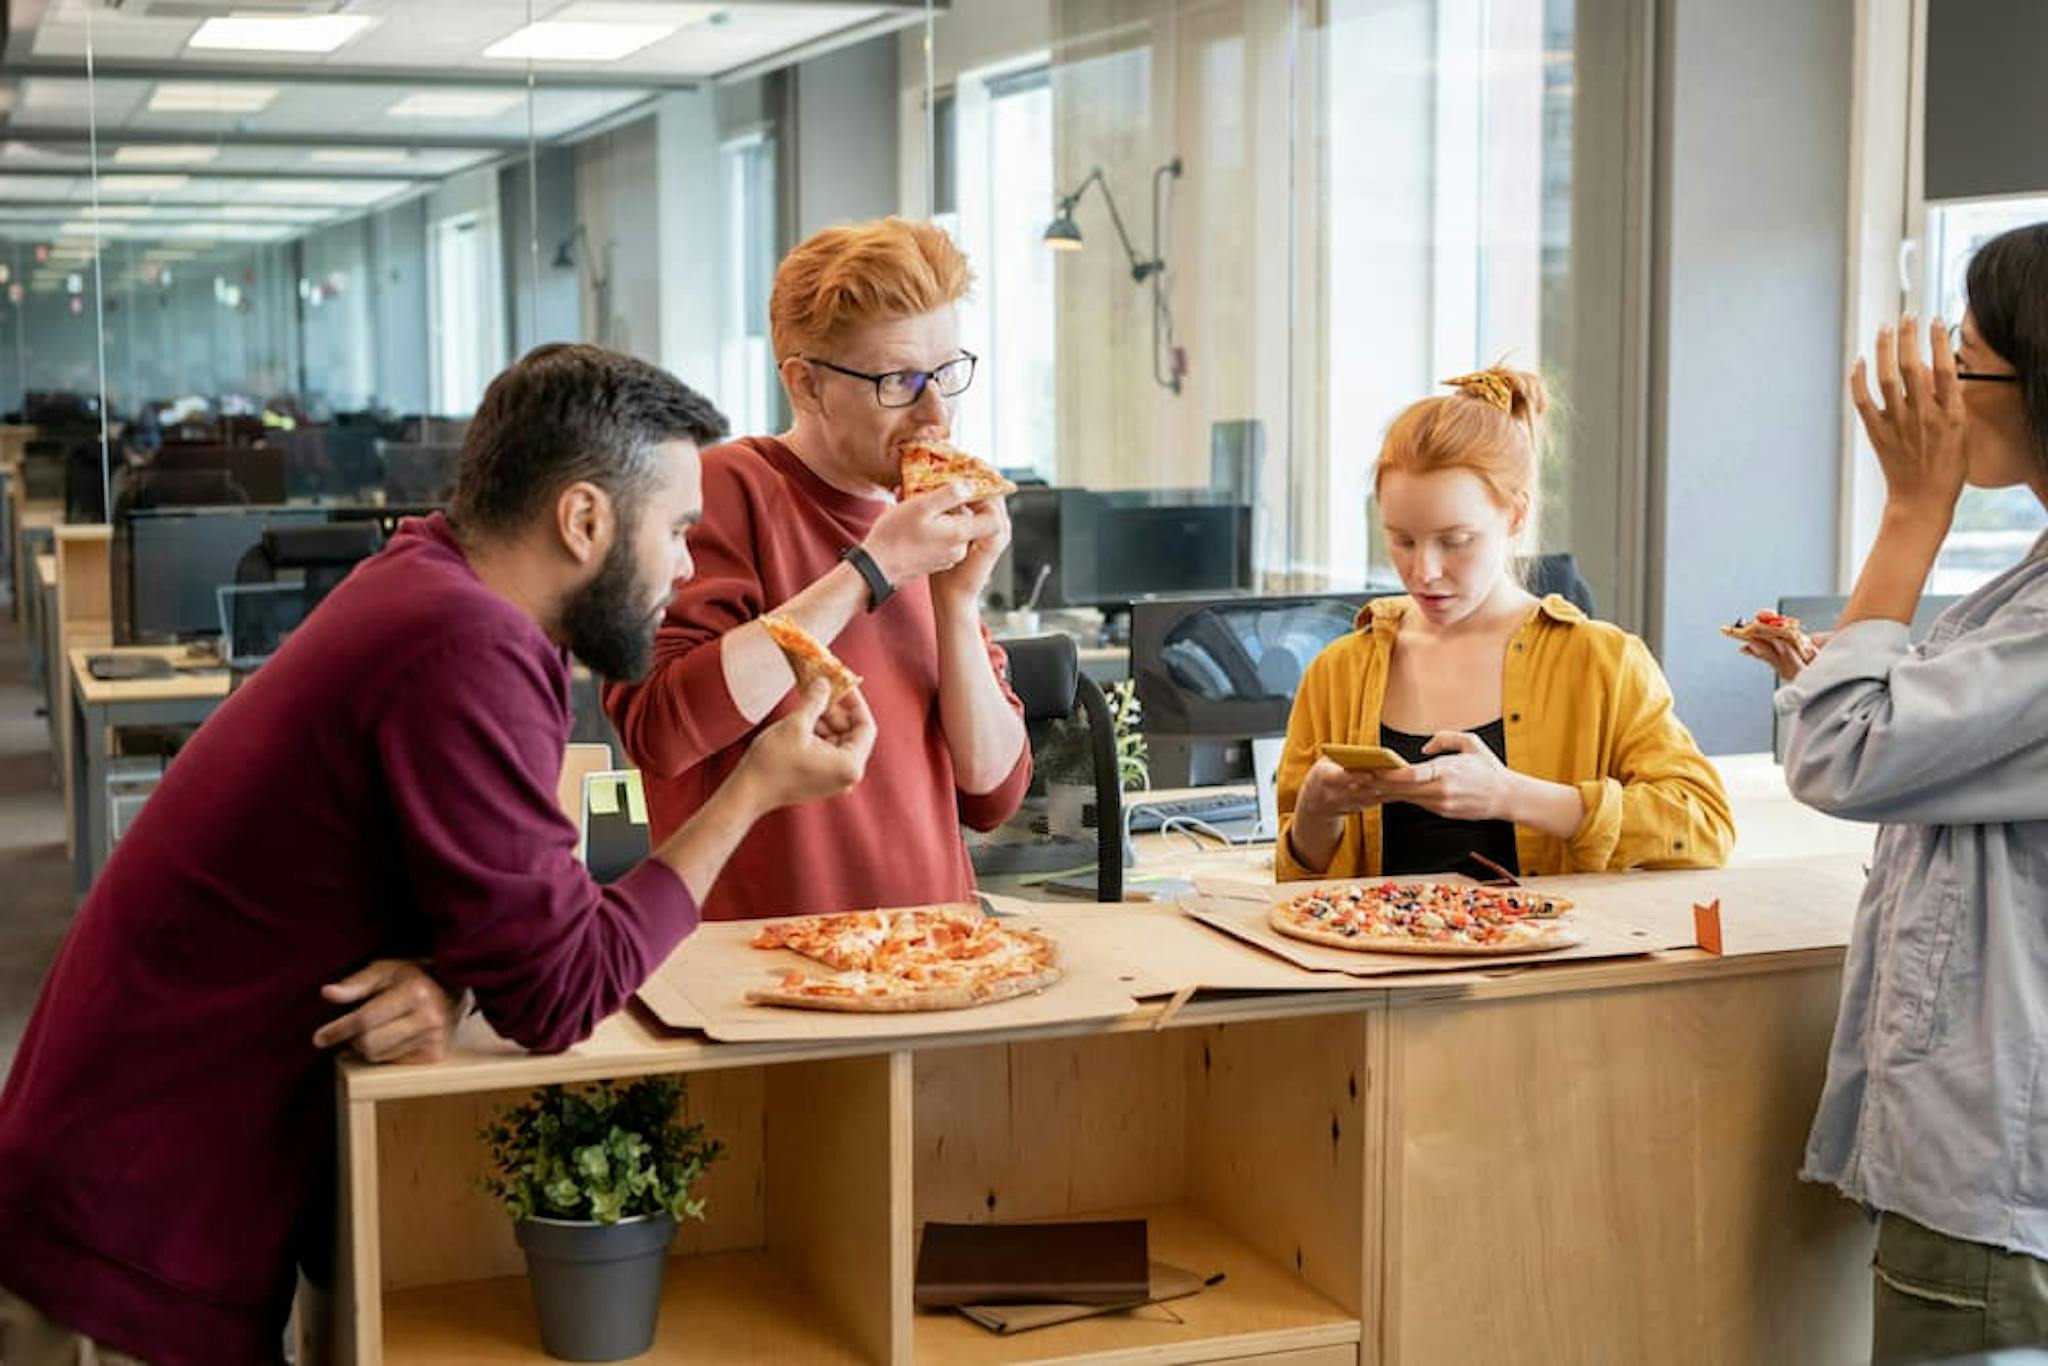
(1938, 1297)
(29, 1339)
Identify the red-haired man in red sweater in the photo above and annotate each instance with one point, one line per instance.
(808, 524)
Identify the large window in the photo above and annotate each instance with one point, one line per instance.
(1282, 222)
(995, 182)
(1993, 527)
(747, 385)
(467, 307)
(1446, 146)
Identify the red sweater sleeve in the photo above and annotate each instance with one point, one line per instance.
(986, 810)
(470, 745)
(682, 713)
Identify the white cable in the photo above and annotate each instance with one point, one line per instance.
(1190, 825)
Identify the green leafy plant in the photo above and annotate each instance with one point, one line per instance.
(1133, 760)
(601, 1153)
(1066, 754)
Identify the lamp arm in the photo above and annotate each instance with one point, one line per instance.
(1139, 268)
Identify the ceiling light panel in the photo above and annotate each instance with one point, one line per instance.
(309, 33)
(360, 156)
(188, 154)
(207, 97)
(456, 104)
(143, 184)
(550, 41)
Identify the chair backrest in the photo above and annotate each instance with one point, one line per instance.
(323, 552)
(1559, 574)
(1045, 673)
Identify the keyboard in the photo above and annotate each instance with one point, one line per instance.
(1215, 810)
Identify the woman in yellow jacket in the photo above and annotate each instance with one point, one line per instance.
(1538, 739)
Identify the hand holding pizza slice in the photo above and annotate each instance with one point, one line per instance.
(1770, 626)
(809, 657)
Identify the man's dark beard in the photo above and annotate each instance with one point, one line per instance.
(607, 623)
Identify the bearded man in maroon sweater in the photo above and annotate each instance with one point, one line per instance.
(381, 791)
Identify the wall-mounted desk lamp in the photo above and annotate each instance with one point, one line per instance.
(1064, 234)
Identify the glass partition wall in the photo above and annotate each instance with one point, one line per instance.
(1218, 243)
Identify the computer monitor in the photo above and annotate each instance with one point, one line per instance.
(1214, 672)
(1107, 549)
(255, 618)
(59, 408)
(614, 824)
(1118, 547)
(169, 563)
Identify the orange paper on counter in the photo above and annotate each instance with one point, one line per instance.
(1706, 925)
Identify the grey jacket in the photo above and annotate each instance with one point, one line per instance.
(1936, 1101)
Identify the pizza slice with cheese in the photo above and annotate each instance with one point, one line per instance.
(1768, 626)
(928, 465)
(809, 657)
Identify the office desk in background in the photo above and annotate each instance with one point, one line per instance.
(1769, 825)
(28, 526)
(101, 705)
(39, 618)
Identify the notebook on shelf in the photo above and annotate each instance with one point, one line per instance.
(1100, 1261)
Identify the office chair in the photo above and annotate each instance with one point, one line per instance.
(1045, 673)
(1559, 574)
(321, 553)
(324, 552)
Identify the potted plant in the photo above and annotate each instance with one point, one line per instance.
(595, 1179)
(1066, 759)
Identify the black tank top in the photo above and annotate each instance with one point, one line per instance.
(1414, 840)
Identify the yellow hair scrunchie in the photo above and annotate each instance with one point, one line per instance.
(1489, 385)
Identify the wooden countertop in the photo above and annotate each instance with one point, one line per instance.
(632, 1043)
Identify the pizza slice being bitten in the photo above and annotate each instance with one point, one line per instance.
(928, 465)
(809, 657)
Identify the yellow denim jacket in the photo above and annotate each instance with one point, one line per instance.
(1583, 703)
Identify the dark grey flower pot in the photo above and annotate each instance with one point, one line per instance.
(596, 1287)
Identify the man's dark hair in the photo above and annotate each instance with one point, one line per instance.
(564, 413)
(2008, 292)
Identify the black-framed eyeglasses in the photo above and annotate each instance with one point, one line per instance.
(1955, 346)
(901, 388)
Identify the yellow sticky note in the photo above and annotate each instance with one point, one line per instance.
(604, 798)
(636, 799)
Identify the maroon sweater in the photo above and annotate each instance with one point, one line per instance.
(384, 786)
(771, 529)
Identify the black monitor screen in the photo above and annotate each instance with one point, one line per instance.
(1117, 547)
(1229, 666)
(177, 559)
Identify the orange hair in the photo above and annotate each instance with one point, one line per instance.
(1493, 426)
(858, 273)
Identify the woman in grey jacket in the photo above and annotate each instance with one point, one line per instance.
(1935, 1111)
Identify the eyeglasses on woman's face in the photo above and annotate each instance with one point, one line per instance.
(1955, 344)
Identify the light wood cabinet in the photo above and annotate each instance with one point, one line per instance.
(1599, 1168)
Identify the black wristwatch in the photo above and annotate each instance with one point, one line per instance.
(879, 587)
